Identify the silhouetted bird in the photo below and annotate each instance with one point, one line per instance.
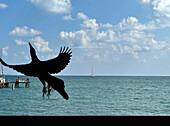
(43, 69)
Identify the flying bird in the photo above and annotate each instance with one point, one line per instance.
(43, 69)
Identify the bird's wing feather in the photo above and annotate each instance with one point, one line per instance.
(59, 63)
(24, 68)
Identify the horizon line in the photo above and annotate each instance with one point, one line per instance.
(95, 75)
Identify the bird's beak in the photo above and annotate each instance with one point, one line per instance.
(30, 45)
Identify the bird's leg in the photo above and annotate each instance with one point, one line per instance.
(44, 88)
(49, 90)
(44, 91)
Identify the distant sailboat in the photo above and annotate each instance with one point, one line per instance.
(92, 75)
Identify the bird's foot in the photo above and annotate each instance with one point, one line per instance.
(49, 90)
(43, 95)
(48, 96)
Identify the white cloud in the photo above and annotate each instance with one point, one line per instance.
(91, 24)
(4, 51)
(3, 5)
(106, 36)
(144, 1)
(50, 56)
(68, 17)
(137, 48)
(24, 31)
(159, 45)
(114, 48)
(132, 23)
(107, 25)
(161, 8)
(87, 23)
(127, 37)
(83, 37)
(81, 15)
(23, 53)
(41, 44)
(77, 39)
(128, 30)
(161, 12)
(128, 50)
(20, 42)
(91, 33)
(26, 57)
(53, 6)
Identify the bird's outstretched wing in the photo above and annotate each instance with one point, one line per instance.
(59, 63)
(24, 68)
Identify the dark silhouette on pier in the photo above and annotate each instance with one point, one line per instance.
(43, 69)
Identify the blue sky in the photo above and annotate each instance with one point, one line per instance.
(116, 37)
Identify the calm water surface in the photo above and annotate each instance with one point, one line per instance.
(102, 95)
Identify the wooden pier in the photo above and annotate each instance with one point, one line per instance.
(17, 82)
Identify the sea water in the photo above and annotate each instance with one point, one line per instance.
(101, 95)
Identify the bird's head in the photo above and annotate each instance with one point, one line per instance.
(31, 48)
(32, 51)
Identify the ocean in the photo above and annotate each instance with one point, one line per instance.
(101, 95)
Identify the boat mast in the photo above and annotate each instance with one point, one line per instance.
(92, 75)
(92, 71)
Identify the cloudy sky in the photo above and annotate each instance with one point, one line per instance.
(116, 37)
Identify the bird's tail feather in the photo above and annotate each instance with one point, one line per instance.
(57, 84)
(3, 63)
